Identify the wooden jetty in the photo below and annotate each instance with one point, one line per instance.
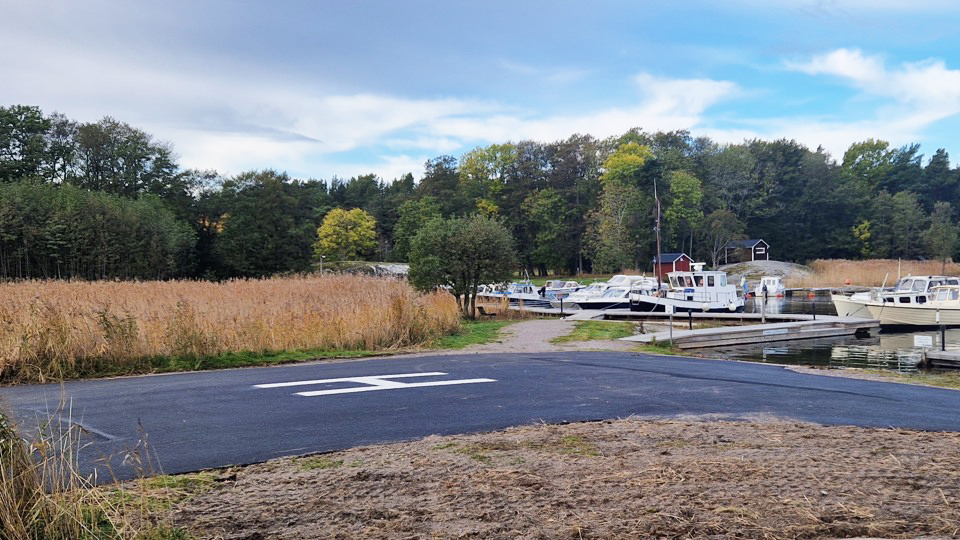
(743, 327)
(940, 359)
(824, 326)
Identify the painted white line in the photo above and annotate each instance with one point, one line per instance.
(347, 379)
(371, 383)
(391, 387)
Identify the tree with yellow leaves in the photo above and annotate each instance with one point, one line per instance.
(346, 234)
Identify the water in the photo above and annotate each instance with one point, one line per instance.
(881, 350)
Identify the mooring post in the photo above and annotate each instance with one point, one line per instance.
(690, 317)
(814, 310)
(943, 332)
(561, 306)
(671, 325)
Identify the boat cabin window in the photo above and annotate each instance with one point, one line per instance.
(918, 286)
(953, 281)
(723, 280)
(687, 281)
(904, 299)
(905, 285)
(948, 294)
(698, 280)
(709, 281)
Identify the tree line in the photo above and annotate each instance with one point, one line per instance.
(106, 200)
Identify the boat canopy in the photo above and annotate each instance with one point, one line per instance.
(923, 283)
(702, 279)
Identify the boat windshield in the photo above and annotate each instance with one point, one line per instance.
(904, 285)
(614, 292)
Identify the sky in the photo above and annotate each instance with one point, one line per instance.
(320, 88)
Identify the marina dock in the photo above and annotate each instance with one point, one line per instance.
(933, 358)
(825, 326)
(743, 328)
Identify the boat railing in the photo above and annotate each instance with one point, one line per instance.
(701, 296)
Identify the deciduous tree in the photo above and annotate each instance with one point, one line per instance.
(413, 215)
(461, 254)
(346, 234)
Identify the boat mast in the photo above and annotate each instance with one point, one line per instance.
(657, 266)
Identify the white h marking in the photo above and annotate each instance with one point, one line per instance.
(374, 382)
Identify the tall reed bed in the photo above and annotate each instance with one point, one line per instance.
(871, 273)
(53, 329)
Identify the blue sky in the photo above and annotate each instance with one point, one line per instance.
(322, 89)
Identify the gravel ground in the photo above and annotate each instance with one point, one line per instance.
(629, 478)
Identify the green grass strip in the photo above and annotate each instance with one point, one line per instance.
(941, 380)
(91, 368)
(597, 330)
(471, 333)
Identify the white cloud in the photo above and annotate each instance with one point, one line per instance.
(922, 92)
(909, 99)
(662, 104)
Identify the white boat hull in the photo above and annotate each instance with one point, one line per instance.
(657, 304)
(913, 314)
(851, 306)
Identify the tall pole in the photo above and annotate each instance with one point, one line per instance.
(657, 229)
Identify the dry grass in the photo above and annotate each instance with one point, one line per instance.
(500, 310)
(51, 329)
(43, 496)
(28, 508)
(870, 273)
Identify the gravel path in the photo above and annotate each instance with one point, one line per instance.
(535, 336)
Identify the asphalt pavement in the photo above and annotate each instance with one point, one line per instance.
(193, 421)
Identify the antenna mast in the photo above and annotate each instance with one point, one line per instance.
(657, 229)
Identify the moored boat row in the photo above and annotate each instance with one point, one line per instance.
(912, 301)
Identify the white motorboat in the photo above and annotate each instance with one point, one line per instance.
(907, 290)
(698, 290)
(556, 289)
(941, 307)
(526, 294)
(769, 286)
(594, 291)
(613, 297)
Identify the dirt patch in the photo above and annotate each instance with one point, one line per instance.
(535, 335)
(630, 478)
